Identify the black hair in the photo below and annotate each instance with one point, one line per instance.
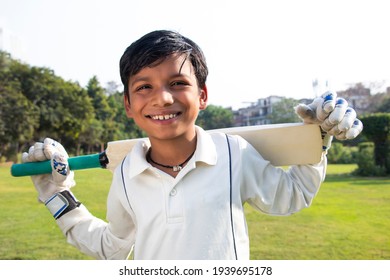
(154, 47)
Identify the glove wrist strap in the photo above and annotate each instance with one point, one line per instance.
(61, 203)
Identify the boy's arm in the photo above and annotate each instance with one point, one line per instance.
(91, 235)
(275, 191)
(102, 240)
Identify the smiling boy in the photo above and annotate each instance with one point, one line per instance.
(164, 101)
(181, 194)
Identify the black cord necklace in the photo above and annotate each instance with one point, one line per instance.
(175, 168)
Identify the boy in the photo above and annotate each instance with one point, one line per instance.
(181, 195)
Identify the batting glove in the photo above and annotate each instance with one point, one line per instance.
(53, 189)
(335, 117)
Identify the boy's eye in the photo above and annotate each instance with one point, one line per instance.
(179, 83)
(143, 87)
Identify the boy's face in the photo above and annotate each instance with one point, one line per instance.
(164, 100)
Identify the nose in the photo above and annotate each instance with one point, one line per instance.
(163, 97)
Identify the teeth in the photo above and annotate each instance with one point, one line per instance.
(163, 117)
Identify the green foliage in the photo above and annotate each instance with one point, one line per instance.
(283, 111)
(377, 130)
(366, 163)
(373, 156)
(35, 103)
(215, 117)
(385, 106)
(19, 117)
(340, 154)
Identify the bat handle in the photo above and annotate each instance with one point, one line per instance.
(44, 167)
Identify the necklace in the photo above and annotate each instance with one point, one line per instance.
(175, 168)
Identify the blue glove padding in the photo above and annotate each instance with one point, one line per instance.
(61, 177)
(333, 115)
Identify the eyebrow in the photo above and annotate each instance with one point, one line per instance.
(146, 79)
(140, 79)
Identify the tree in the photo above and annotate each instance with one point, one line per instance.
(385, 106)
(377, 130)
(125, 127)
(99, 99)
(341, 154)
(283, 111)
(103, 112)
(39, 104)
(18, 116)
(366, 163)
(77, 115)
(379, 102)
(215, 117)
(18, 120)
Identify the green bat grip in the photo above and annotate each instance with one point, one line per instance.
(44, 167)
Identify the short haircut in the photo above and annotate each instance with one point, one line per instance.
(153, 48)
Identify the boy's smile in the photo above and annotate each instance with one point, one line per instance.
(163, 117)
(164, 99)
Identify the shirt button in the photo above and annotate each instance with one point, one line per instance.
(173, 192)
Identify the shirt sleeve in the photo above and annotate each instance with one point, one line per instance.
(113, 239)
(274, 190)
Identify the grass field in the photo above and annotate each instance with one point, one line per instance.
(348, 220)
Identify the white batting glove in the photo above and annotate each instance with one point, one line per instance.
(333, 115)
(60, 179)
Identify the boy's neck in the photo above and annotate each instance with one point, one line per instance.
(171, 152)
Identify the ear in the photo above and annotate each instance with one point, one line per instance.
(126, 102)
(203, 97)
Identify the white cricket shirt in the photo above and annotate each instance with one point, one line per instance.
(197, 215)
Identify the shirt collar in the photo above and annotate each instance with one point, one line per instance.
(138, 162)
(205, 152)
(205, 148)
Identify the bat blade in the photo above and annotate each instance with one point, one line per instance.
(281, 144)
(284, 144)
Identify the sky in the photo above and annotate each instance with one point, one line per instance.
(254, 48)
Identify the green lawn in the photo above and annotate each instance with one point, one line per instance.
(349, 219)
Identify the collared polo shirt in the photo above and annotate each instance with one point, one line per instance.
(198, 214)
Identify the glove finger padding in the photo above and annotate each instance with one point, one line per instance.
(333, 115)
(51, 146)
(35, 153)
(338, 113)
(326, 105)
(63, 177)
(355, 130)
(348, 119)
(44, 151)
(306, 113)
(336, 116)
(318, 110)
(329, 103)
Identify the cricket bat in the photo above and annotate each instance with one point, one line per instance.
(281, 144)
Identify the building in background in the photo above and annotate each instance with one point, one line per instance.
(358, 97)
(257, 113)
